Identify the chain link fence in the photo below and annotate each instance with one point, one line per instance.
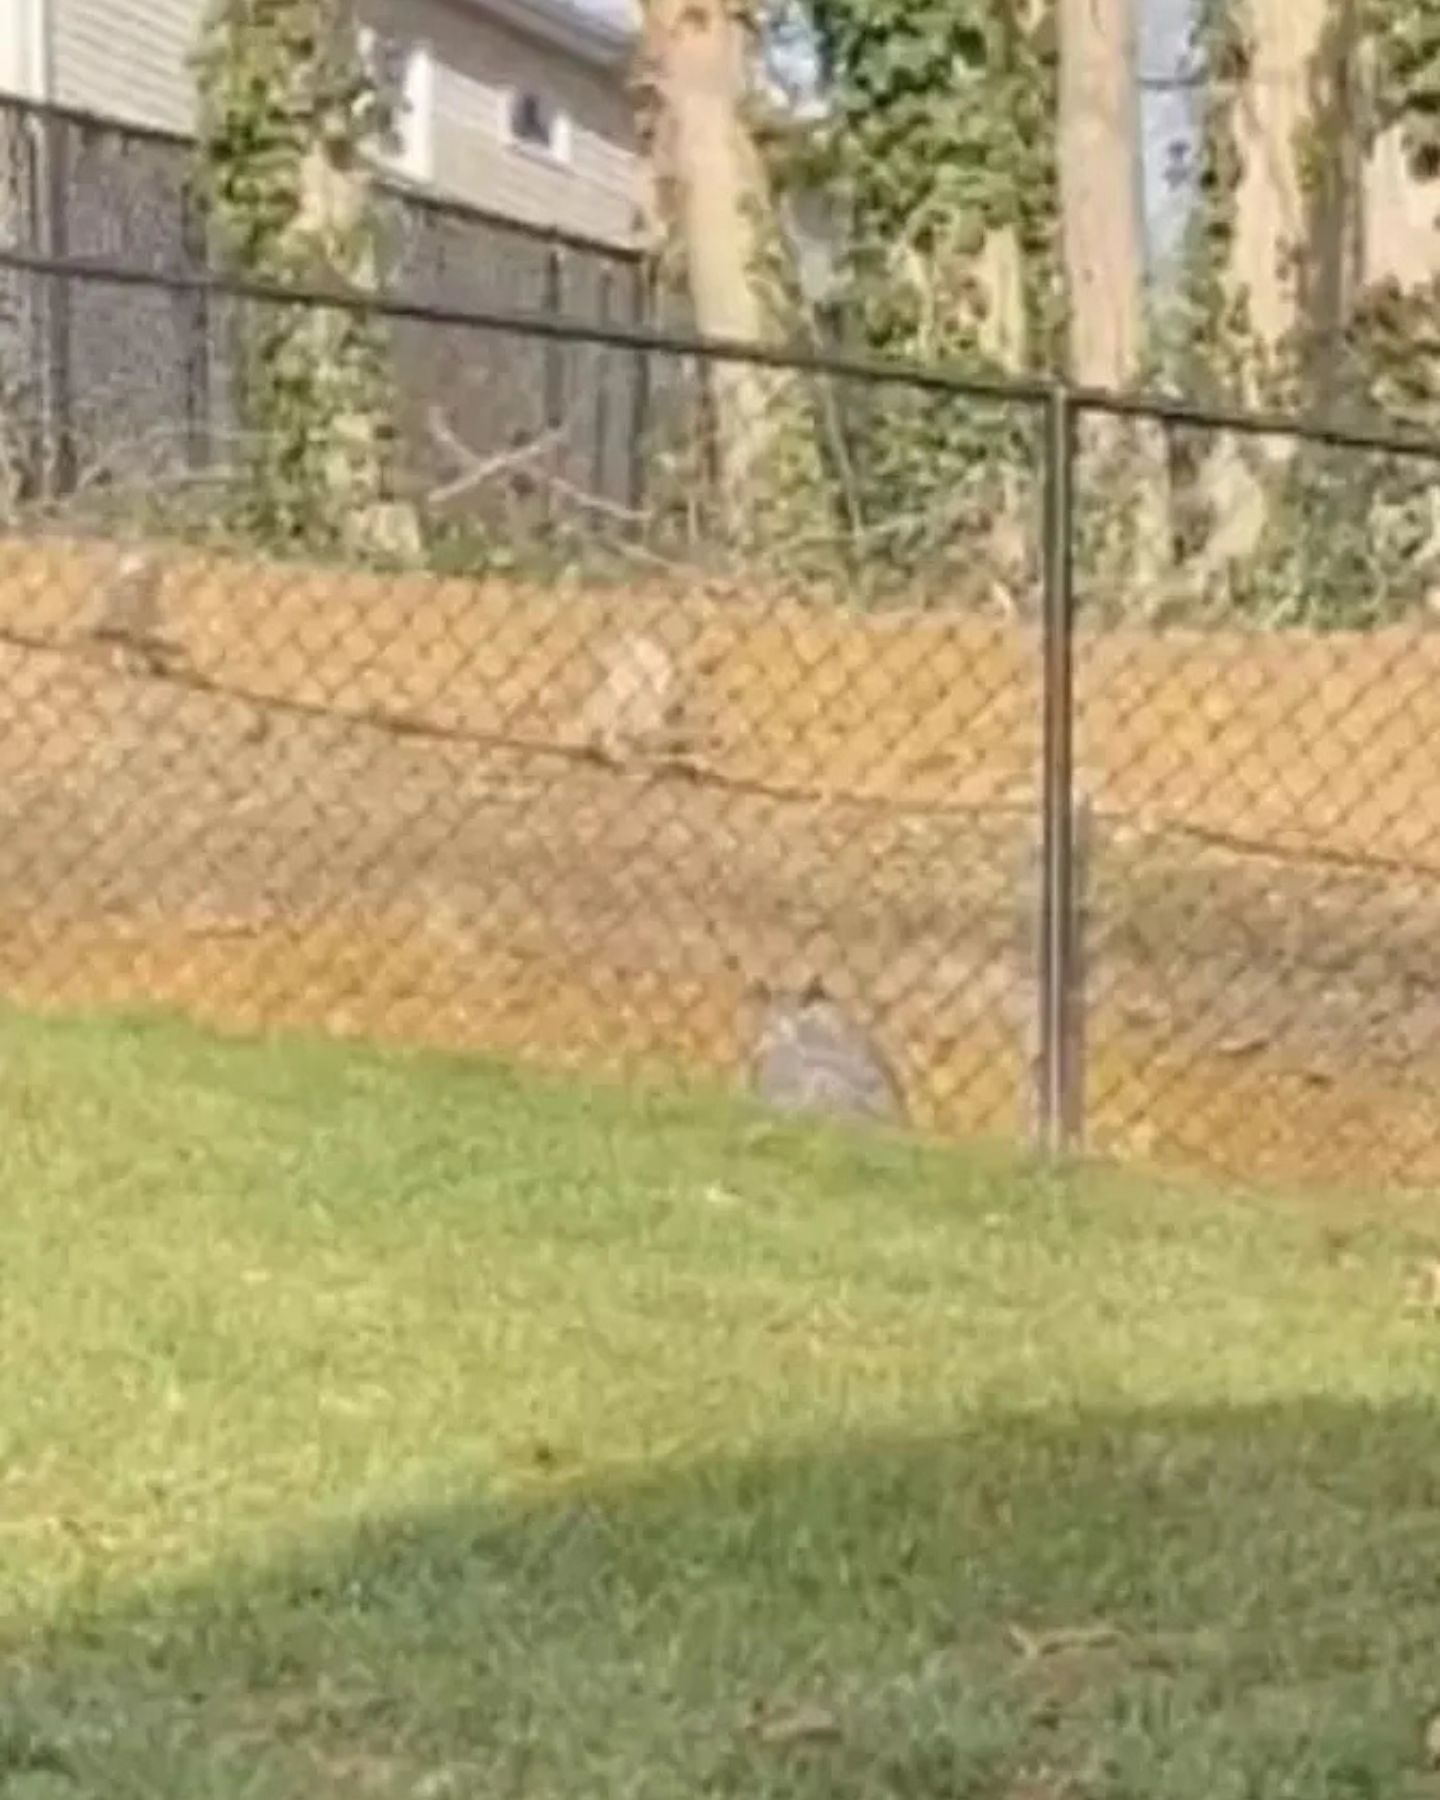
(1255, 750)
(81, 188)
(1108, 828)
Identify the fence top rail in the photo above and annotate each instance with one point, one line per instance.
(532, 324)
(443, 206)
(85, 120)
(1309, 428)
(438, 205)
(1036, 392)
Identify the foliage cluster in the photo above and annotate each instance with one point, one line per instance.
(289, 113)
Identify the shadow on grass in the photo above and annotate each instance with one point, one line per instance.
(1218, 1604)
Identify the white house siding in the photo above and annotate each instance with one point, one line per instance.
(22, 48)
(479, 61)
(126, 58)
(130, 59)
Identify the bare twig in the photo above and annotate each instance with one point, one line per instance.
(610, 509)
(476, 470)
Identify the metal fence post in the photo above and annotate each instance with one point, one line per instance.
(1060, 1103)
(195, 326)
(604, 309)
(556, 355)
(59, 361)
(1077, 1008)
(643, 314)
(554, 304)
(27, 139)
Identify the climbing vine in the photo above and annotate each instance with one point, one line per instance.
(937, 152)
(940, 132)
(1392, 334)
(738, 470)
(287, 113)
(1217, 339)
(1360, 534)
(1392, 343)
(1406, 36)
(1223, 358)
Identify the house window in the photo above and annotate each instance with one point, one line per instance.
(404, 73)
(534, 122)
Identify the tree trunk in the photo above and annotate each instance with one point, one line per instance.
(999, 272)
(715, 198)
(1399, 256)
(1102, 229)
(1100, 190)
(1004, 338)
(1276, 119)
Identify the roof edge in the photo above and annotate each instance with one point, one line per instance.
(585, 34)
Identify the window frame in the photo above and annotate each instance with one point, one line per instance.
(558, 154)
(413, 157)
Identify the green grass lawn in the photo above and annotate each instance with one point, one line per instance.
(387, 1426)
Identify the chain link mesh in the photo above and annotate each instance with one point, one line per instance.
(588, 787)
(598, 760)
(1255, 738)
